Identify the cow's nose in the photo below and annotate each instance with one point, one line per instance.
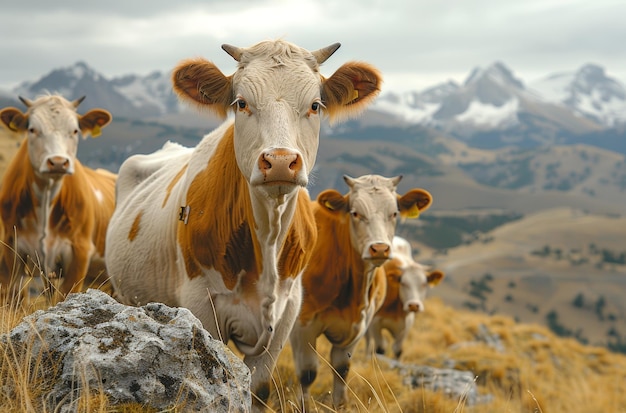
(414, 307)
(280, 165)
(58, 164)
(379, 250)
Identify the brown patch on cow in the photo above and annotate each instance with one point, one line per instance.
(134, 229)
(334, 286)
(392, 306)
(173, 183)
(219, 231)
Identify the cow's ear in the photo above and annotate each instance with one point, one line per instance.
(14, 119)
(393, 270)
(92, 122)
(350, 89)
(434, 277)
(332, 201)
(201, 83)
(414, 202)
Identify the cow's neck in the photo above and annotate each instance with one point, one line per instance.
(231, 227)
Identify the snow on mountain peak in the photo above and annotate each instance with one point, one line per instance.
(588, 91)
(497, 72)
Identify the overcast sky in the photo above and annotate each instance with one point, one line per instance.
(415, 43)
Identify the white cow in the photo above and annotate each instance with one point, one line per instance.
(407, 284)
(225, 228)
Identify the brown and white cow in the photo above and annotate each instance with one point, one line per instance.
(344, 284)
(54, 210)
(225, 228)
(407, 285)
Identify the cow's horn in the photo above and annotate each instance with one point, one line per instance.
(235, 52)
(322, 55)
(27, 102)
(78, 101)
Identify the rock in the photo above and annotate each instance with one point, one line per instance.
(457, 384)
(153, 355)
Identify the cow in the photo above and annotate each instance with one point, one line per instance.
(225, 229)
(407, 284)
(344, 283)
(54, 210)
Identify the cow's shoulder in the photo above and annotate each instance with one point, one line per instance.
(136, 169)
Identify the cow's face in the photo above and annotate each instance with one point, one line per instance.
(373, 208)
(277, 95)
(52, 129)
(415, 282)
(407, 278)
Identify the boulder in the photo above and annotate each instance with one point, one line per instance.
(154, 355)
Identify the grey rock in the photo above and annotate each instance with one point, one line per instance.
(153, 355)
(456, 384)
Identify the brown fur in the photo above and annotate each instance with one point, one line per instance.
(218, 233)
(334, 285)
(134, 229)
(392, 307)
(173, 184)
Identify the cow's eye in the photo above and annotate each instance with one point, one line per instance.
(32, 130)
(355, 215)
(315, 106)
(242, 104)
(75, 132)
(394, 215)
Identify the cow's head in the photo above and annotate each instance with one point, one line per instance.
(410, 279)
(373, 207)
(52, 128)
(277, 95)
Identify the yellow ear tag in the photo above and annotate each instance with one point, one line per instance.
(413, 212)
(328, 205)
(355, 94)
(96, 131)
(12, 126)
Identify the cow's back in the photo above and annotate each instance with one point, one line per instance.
(146, 216)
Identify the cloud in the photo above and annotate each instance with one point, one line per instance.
(416, 42)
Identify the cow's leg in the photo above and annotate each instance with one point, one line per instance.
(262, 366)
(340, 360)
(11, 275)
(303, 342)
(399, 330)
(375, 334)
(74, 273)
(398, 338)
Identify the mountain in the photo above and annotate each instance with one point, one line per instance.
(130, 96)
(492, 108)
(588, 92)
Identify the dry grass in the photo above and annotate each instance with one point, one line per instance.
(536, 372)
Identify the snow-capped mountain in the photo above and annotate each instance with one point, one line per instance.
(129, 96)
(588, 91)
(490, 99)
(491, 105)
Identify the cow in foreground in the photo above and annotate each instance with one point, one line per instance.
(225, 228)
(407, 285)
(54, 210)
(344, 285)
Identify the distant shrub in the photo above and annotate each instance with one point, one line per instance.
(579, 301)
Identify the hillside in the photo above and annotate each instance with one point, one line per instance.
(518, 368)
(564, 268)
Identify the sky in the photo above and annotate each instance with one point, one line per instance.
(415, 43)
